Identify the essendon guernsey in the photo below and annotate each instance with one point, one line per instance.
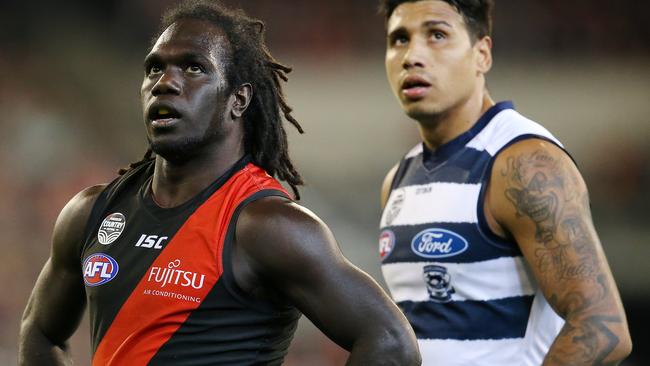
(159, 282)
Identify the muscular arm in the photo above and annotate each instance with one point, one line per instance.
(57, 301)
(538, 196)
(291, 251)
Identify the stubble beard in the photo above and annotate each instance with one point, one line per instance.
(180, 152)
(428, 117)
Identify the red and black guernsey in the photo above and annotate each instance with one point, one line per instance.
(159, 282)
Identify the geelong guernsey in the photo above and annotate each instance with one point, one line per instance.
(159, 282)
(468, 294)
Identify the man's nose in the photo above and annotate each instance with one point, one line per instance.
(414, 56)
(168, 83)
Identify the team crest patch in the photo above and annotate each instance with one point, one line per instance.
(438, 283)
(111, 228)
(386, 243)
(438, 243)
(99, 268)
(395, 207)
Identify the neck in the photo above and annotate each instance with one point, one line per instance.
(444, 127)
(176, 183)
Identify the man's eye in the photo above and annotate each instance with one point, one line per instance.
(439, 35)
(154, 70)
(194, 69)
(400, 40)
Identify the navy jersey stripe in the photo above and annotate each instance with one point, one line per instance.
(476, 251)
(462, 169)
(469, 320)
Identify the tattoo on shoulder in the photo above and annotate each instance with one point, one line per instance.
(542, 189)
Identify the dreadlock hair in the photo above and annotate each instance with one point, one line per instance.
(250, 61)
(477, 14)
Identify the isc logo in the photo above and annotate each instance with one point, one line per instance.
(151, 241)
(99, 268)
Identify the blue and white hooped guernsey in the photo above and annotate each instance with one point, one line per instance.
(468, 294)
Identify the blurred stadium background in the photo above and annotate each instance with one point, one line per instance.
(70, 73)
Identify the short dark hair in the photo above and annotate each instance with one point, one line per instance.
(477, 14)
(250, 61)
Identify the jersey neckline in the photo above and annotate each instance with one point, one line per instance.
(432, 158)
(146, 197)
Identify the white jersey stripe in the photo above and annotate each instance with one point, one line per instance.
(434, 202)
(500, 132)
(500, 278)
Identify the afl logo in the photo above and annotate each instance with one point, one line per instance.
(438, 243)
(386, 243)
(111, 228)
(99, 268)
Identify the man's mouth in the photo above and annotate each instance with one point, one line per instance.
(415, 87)
(163, 116)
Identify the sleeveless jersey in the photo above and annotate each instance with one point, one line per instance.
(468, 294)
(159, 282)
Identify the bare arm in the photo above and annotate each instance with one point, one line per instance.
(57, 301)
(291, 251)
(538, 196)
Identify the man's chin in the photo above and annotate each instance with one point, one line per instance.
(177, 152)
(421, 112)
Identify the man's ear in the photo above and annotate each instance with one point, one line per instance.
(241, 98)
(483, 48)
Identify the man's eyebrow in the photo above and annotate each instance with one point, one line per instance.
(151, 58)
(182, 57)
(425, 24)
(399, 30)
(433, 23)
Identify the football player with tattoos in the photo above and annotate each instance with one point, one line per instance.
(487, 241)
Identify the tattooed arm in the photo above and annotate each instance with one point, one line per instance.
(537, 197)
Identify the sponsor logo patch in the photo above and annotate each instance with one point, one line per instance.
(99, 268)
(438, 243)
(172, 278)
(151, 241)
(386, 243)
(111, 228)
(173, 275)
(438, 283)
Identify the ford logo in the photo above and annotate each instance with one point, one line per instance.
(438, 243)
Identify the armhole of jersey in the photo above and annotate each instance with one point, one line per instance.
(102, 201)
(397, 178)
(399, 174)
(93, 218)
(482, 224)
(228, 276)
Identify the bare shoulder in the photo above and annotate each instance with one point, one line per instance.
(71, 223)
(283, 241)
(533, 152)
(535, 176)
(279, 221)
